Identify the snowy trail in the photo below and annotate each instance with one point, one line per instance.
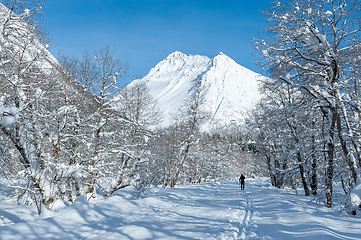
(250, 218)
(204, 211)
(244, 224)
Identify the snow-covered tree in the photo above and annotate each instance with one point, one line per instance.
(137, 104)
(314, 46)
(286, 122)
(140, 113)
(103, 80)
(29, 83)
(189, 123)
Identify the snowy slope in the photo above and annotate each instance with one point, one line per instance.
(206, 211)
(19, 43)
(229, 90)
(23, 39)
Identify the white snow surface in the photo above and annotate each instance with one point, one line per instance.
(229, 90)
(218, 210)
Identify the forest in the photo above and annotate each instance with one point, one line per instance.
(308, 122)
(69, 128)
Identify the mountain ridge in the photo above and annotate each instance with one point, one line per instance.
(229, 90)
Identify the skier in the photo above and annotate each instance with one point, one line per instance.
(241, 180)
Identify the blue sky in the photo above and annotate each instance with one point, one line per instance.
(145, 32)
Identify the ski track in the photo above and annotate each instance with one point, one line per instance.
(249, 219)
(244, 224)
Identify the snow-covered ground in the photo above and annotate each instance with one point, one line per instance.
(205, 211)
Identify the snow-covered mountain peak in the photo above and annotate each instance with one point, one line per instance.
(221, 54)
(176, 55)
(229, 90)
(222, 60)
(178, 64)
